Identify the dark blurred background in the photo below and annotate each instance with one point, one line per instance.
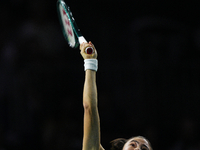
(148, 77)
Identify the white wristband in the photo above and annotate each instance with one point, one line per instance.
(91, 64)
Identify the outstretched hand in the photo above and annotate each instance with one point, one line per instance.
(83, 46)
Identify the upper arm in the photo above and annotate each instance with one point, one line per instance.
(91, 138)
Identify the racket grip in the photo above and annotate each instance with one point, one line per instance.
(81, 40)
(88, 50)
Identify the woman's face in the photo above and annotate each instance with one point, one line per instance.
(137, 143)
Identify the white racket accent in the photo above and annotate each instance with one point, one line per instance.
(81, 40)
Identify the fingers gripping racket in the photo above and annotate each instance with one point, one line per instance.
(69, 27)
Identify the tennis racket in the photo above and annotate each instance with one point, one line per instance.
(69, 27)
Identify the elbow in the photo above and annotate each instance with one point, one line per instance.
(89, 106)
(86, 106)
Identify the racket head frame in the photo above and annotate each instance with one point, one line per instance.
(75, 29)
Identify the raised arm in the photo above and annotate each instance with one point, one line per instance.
(91, 135)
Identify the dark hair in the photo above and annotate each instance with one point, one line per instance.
(119, 143)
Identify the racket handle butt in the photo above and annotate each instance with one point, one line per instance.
(81, 40)
(89, 50)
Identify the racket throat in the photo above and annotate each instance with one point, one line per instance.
(81, 39)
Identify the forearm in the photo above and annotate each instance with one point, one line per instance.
(90, 89)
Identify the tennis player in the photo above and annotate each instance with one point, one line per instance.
(91, 136)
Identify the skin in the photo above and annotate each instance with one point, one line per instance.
(137, 143)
